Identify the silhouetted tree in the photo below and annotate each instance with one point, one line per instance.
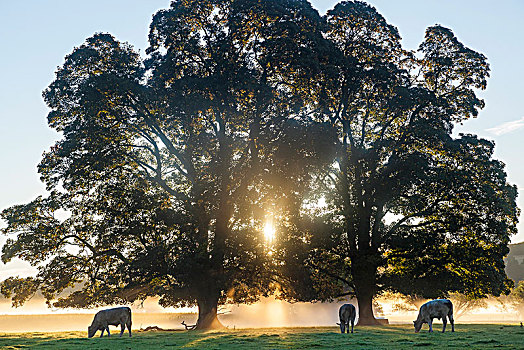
(186, 131)
(414, 209)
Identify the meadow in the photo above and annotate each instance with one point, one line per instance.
(475, 336)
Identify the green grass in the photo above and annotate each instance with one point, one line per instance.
(391, 337)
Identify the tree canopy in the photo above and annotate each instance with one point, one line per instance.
(246, 112)
(413, 208)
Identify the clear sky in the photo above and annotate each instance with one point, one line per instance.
(35, 35)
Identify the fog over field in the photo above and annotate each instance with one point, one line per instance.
(36, 317)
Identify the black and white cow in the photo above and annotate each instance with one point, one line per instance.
(439, 308)
(346, 314)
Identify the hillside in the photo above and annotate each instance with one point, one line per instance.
(515, 262)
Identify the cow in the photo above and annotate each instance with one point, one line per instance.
(117, 316)
(346, 314)
(439, 308)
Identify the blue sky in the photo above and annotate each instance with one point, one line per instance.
(35, 35)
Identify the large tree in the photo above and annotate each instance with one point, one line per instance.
(413, 208)
(160, 161)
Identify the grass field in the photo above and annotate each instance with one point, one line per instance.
(390, 337)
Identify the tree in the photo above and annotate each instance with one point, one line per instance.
(160, 161)
(415, 209)
(462, 304)
(517, 297)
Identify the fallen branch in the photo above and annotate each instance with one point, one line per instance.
(188, 327)
(156, 328)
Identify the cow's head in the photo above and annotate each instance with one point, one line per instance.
(91, 330)
(418, 325)
(342, 327)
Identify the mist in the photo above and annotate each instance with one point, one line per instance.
(36, 317)
(490, 310)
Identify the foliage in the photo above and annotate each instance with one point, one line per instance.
(518, 293)
(414, 208)
(160, 162)
(462, 304)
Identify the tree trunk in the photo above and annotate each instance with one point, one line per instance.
(364, 277)
(207, 313)
(365, 307)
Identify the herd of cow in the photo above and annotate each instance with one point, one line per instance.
(440, 308)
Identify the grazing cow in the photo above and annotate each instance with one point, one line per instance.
(346, 314)
(117, 316)
(439, 308)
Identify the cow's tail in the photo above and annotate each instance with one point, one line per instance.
(128, 311)
(450, 305)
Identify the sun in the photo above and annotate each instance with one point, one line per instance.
(269, 231)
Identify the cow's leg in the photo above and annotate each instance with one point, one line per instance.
(122, 328)
(129, 327)
(102, 334)
(107, 329)
(452, 323)
(352, 325)
(347, 327)
(430, 323)
(444, 322)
